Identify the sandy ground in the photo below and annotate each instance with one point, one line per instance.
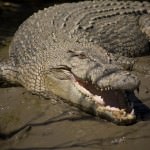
(29, 122)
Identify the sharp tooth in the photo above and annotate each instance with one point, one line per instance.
(132, 112)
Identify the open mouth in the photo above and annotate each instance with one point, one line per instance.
(113, 105)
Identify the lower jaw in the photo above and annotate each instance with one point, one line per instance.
(119, 120)
(107, 115)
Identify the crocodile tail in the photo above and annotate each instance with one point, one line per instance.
(8, 73)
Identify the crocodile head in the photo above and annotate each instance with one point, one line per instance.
(94, 83)
(111, 103)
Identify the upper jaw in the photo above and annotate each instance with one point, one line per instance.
(121, 80)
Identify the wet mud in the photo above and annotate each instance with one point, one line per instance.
(30, 122)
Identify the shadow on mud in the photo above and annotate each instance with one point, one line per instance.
(93, 143)
(142, 111)
(28, 126)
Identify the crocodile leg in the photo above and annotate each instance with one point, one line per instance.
(8, 73)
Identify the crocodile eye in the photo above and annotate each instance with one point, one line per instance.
(82, 56)
(79, 54)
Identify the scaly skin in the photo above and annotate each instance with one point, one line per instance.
(78, 51)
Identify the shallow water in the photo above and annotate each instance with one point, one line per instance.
(29, 122)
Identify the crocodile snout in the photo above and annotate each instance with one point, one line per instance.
(121, 80)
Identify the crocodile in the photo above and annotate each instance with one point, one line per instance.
(82, 52)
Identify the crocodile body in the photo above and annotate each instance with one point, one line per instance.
(77, 51)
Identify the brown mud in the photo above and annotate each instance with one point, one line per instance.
(29, 122)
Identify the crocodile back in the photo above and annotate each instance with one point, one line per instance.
(112, 25)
